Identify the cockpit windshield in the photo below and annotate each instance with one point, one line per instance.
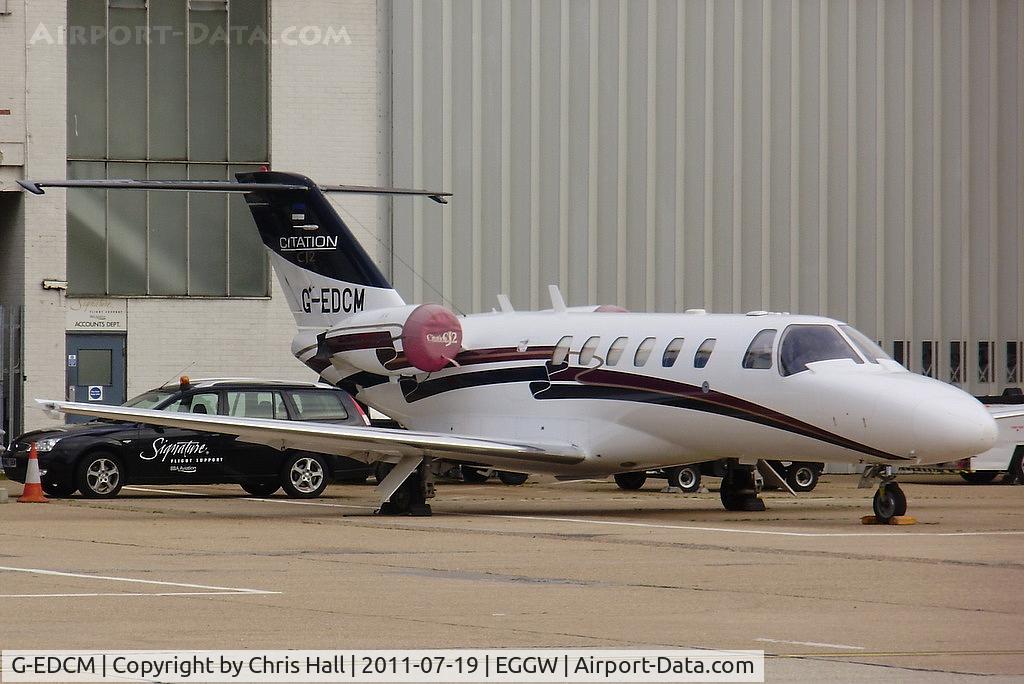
(804, 344)
(867, 346)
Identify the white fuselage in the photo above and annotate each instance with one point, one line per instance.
(634, 415)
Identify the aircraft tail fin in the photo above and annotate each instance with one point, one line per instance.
(324, 272)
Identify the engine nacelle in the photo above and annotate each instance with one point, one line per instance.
(385, 341)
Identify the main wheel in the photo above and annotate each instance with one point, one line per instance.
(889, 502)
(512, 479)
(59, 490)
(630, 481)
(686, 478)
(980, 477)
(802, 477)
(261, 487)
(99, 475)
(304, 476)
(473, 474)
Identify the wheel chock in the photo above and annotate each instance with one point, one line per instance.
(896, 520)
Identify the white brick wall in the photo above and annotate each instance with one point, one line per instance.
(325, 103)
(45, 217)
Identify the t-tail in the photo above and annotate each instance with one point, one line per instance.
(324, 272)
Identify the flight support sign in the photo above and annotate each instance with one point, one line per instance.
(332, 300)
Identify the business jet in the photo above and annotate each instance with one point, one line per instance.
(575, 392)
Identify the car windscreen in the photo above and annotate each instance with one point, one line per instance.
(804, 344)
(319, 405)
(867, 346)
(149, 399)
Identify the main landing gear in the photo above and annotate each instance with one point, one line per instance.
(739, 489)
(889, 501)
(410, 496)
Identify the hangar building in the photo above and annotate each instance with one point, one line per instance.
(857, 158)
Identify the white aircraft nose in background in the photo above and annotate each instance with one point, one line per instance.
(952, 424)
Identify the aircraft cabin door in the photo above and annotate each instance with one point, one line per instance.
(96, 370)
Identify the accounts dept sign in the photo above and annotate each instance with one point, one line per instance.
(96, 315)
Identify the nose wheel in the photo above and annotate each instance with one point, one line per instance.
(889, 501)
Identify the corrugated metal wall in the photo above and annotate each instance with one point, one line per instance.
(860, 159)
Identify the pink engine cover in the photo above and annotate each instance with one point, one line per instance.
(431, 337)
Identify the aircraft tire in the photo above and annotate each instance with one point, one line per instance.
(889, 502)
(630, 481)
(1016, 472)
(802, 477)
(980, 476)
(686, 478)
(512, 479)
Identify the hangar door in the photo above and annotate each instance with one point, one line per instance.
(95, 370)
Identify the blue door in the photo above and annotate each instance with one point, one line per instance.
(95, 370)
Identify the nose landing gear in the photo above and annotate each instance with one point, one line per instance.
(889, 501)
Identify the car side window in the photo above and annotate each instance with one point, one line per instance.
(201, 403)
(615, 351)
(700, 359)
(318, 405)
(759, 353)
(256, 405)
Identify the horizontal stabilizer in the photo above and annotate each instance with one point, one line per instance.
(37, 187)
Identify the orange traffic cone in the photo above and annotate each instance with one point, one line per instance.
(33, 492)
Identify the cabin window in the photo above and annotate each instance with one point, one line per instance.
(759, 353)
(804, 344)
(587, 352)
(867, 346)
(643, 352)
(668, 359)
(615, 351)
(561, 352)
(700, 359)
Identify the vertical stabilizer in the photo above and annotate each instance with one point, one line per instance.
(325, 273)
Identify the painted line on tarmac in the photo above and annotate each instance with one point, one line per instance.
(165, 491)
(210, 590)
(772, 533)
(841, 647)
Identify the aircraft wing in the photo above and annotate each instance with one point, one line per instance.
(1002, 412)
(363, 443)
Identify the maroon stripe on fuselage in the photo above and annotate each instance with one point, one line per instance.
(472, 357)
(765, 415)
(358, 341)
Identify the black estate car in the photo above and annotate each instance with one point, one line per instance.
(98, 458)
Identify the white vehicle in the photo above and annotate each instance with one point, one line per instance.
(1005, 458)
(574, 392)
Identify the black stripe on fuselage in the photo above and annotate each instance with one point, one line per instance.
(414, 391)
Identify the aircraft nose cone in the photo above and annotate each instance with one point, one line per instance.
(948, 429)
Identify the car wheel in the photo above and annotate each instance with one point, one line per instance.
(802, 477)
(59, 490)
(304, 476)
(980, 477)
(474, 475)
(99, 475)
(512, 479)
(630, 481)
(686, 478)
(261, 487)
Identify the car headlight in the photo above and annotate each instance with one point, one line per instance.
(44, 445)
